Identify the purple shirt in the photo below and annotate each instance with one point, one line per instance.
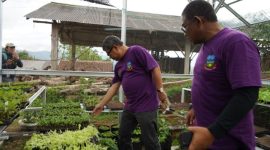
(230, 60)
(134, 71)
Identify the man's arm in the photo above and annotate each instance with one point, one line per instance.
(241, 103)
(110, 93)
(156, 75)
(19, 63)
(17, 60)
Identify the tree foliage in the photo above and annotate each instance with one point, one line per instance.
(260, 31)
(25, 55)
(82, 52)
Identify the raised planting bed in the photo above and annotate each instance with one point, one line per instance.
(174, 92)
(105, 119)
(13, 99)
(56, 116)
(86, 138)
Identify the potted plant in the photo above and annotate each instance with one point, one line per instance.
(164, 134)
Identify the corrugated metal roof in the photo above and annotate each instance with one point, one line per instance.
(103, 2)
(108, 17)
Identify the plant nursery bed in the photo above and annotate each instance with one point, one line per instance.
(174, 120)
(60, 128)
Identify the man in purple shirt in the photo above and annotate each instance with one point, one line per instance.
(225, 84)
(140, 75)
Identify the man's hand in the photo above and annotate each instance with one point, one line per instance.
(98, 109)
(190, 117)
(9, 62)
(164, 101)
(202, 138)
(15, 56)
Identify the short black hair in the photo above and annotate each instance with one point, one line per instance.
(200, 8)
(110, 41)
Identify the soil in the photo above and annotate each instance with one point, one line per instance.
(14, 143)
(113, 120)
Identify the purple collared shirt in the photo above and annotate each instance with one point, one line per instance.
(134, 71)
(230, 60)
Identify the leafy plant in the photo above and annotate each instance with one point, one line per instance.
(176, 89)
(11, 100)
(103, 128)
(107, 134)
(29, 116)
(136, 140)
(91, 101)
(109, 143)
(163, 131)
(264, 95)
(80, 139)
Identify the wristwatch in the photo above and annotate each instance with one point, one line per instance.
(160, 90)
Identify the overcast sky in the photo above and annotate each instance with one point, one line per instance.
(36, 36)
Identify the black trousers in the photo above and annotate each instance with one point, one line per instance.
(148, 125)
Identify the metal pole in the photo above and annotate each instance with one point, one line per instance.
(124, 18)
(123, 38)
(1, 11)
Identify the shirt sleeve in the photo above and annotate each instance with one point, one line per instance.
(242, 63)
(144, 58)
(19, 63)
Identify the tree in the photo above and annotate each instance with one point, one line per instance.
(25, 55)
(82, 52)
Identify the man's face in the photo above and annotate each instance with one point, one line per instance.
(192, 29)
(11, 49)
(113, 53)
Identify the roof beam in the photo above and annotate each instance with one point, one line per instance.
(220, 4)
(235, 13)
(234, 2)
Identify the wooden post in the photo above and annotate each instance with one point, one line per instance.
(54, 45)
(73, 56)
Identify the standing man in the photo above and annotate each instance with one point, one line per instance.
(10, 60)
(225, 84)
(140, 75)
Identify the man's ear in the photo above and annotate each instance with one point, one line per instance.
(199, 20)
